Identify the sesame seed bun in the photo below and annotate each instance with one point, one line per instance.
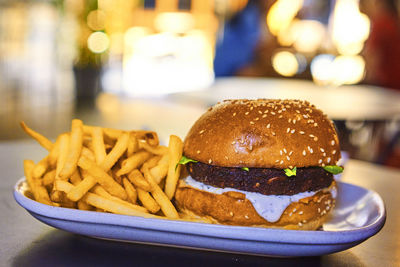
(263, 133)
(270, 135)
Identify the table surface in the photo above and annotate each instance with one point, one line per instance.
(27, 242)
(354, 102)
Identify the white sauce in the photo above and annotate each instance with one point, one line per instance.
(270, 207)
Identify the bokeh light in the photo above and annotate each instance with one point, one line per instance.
(98, 42)
(285, 63)
(96, 20)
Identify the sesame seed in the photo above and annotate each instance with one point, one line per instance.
(334, 152)
(256, 119)
(290, 153)
(268, 125)
(315, 138)
(284, 150)
(324, 154)
(288, 130)
(273, 133)
(247, 217)
(305, 116)
(300, 224)
(247, 113)
(300, 212)
(287, 157)
(304, 153)
(290, 214)
(315, 124)
(252, 122)
(293, 130)
(198, 151)
(311, 135)
(279, 111)
(328, 159)
(234, 114)
(280, 152)
(234, 142)
(251, 108)
(294, 121)
(209, 161)
(319, 210)
(231, 214)
(266, 111)
(333, 142)
(226, 157)
(320, 161)
(276, 161)
(301, 132)
(294, 210)
(311, 150)
(322, 150)
(265, 115)
(304, 221)
(202, 131)
(289, 120)
(259, 112)
(273, 113)
(297, 111)
(281, 162)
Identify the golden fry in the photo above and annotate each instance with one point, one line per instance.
(102, 178)
(175, 148)
(75, 177)
(62, 156)
(86, 152)
(149, 137)
(162, 199)
(148, 201)
(133, 145)
(117, 151)
(161, 169)
(136, 178)
(133, 162)
(40, 168)
(159, 150)
(99, 190)
(43, 141)
(99, 148)
(48, 178)
(130, 190)
(39, 192)
(55, 150)
(81, 188)
(109, 132)
(74, 149)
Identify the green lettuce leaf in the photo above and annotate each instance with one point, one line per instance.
(290, 172)
(245, 169)
(333, 169)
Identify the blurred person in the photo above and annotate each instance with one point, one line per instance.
(382, 49)
(241, 34)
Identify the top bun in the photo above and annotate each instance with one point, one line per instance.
(263, 133)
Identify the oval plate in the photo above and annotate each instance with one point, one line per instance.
(358, 215)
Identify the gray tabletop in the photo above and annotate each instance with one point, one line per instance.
(27, 242)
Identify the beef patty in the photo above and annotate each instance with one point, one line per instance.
(260, 180)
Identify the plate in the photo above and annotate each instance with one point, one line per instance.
(359, 214)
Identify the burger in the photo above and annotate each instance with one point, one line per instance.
(263, 162)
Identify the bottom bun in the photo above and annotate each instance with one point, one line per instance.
(233, 208)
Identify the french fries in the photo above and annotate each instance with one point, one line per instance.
(106, 170)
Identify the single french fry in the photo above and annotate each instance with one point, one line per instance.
(43, 141)
(159, 150)
(40, 168)
(102, 178)
(148, 201)
(149, 137)
(136, 178)
(86, 152)
(48, 178)
(117, 151)
(99, 190)
(81, 188)
(62, 156)
(74, 149)
(82, 205)
(152, 162)
(130, 190)
(175, 148)
(99, 148)
(162, 199)
(76, 177)
(133, 145)
(55, 150)
(161, 169)
(133, 162)
(39, 192)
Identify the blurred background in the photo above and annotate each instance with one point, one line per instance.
(158, 65)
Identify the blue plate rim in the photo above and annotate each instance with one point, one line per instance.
(244, 233)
